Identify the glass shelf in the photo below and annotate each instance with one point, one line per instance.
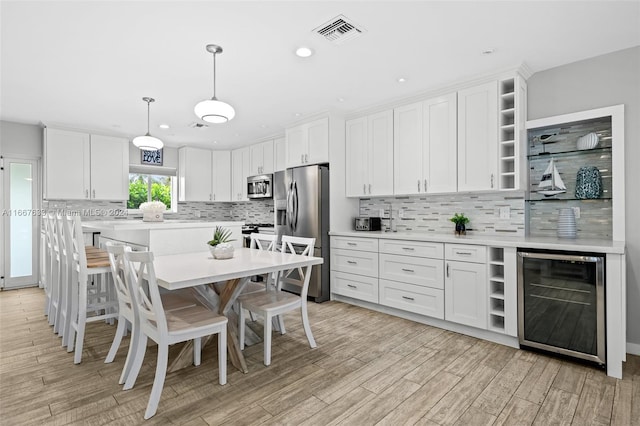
(574, 152)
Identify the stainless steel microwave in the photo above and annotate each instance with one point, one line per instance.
(260, 186)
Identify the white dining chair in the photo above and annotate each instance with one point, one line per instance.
(94, 299)
(54, 272)
(128, 310)
(270, 304)
(46, 265)
(168, 327)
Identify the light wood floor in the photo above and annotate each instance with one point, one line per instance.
(369, 368)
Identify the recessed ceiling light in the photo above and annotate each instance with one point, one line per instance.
(215, 142)
(237, 134)
(488, 51)
(164, 126)
(304, 52)
(264, 126)
(401, 80)
(297, 114)
(340, 99)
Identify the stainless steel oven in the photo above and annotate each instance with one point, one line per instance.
(561, 303)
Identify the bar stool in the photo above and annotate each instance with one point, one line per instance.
(94, 264)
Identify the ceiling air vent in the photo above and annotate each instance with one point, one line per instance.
(339, 29)
(196, 125)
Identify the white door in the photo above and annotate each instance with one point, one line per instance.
(380, 164)
(318, 142)
(197, 174)
(66, 165)
(407, 149)
(478, 137)
(257, 159)
(440, 152)
(20, 229)
(465, 293)
(356, 157)
(221, 175)
(296, 145)
(109, 168)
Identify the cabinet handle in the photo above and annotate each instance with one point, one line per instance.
(408, 298)
(94, 193)
(214, 197)
(369, 188)
(302, 158)
(209, 197)
(408, 248)
(364, 188)
(447, 270)
(351, 262)
(425, 185)
(491, 180)
(418, 185)
(86, 193)
(352, 244)
(463, 253)
(408, 270)
(352, 286)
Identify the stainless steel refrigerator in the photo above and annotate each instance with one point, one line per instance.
(301, 201)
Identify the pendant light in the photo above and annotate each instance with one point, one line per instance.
(148, 142)
(212, 110)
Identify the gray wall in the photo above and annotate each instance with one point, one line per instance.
(602, 81)
(24, 140)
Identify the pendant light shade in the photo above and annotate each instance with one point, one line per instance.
(148, 142)
(212, 110)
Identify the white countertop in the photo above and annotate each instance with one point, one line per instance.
(547, 243)
(139, 225)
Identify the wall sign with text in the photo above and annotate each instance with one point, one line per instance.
(151, 157)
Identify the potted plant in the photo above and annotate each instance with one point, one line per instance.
(460, 220)
(219, 246)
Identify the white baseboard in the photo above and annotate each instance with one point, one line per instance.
(633, 348)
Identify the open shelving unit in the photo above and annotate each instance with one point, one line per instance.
(511, 122)
(496, 289)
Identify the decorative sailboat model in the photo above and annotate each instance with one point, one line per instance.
(551, 182)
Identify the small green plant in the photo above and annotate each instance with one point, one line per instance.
(220, 235)
(459, 219)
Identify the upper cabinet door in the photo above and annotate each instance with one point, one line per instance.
(237, 183)
(267, 157)
(356, 163)
(380, 153)
(221, 176)
(109, 168)
(296, 146)
(195, 175)
(317, 142)
(257, 159)
(478, 137)
(280, 154)
(66, 165)
(440, 136)
(407, 149)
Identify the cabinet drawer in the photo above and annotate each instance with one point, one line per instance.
(412, 248)
(466, 253)
(356, 286)
(414, 270)
(355, 243)
(355, 262)
(412, 298)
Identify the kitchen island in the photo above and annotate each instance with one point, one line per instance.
(167, 237)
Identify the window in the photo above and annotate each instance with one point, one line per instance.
(147, 187)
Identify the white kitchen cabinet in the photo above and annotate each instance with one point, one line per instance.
(240, 168)
(80, 166)
(425, 146)
(261, 158)
(355, 286)
(308, 143)
(354, 268)
(412, 298)
(478, 137)
(280, 154)
(203, 175)
(369, 155)
(465, 285)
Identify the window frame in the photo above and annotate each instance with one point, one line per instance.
(174, 192)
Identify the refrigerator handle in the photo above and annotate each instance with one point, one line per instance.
(289, 211)
(295, 205)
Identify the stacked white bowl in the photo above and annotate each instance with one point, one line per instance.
(566, 224)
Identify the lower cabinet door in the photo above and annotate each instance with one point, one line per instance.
(465, 289)
(355, 286)
(412, 298)
(355, 262)
(413, 270)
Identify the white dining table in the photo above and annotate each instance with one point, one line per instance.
(200, 270)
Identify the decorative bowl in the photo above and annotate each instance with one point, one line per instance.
(588, 141)
(221, 251)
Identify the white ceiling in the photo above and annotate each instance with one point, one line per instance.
(87, 64)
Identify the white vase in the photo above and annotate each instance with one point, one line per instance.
(566, 224)
(222, 251)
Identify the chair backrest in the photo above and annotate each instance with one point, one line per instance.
(263, 242)
(74, 229)
(121, 282)
(53, 233)
(139, 268)
(304, 247)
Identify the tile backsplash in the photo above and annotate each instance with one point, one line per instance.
(258, 211)
(431, 213)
